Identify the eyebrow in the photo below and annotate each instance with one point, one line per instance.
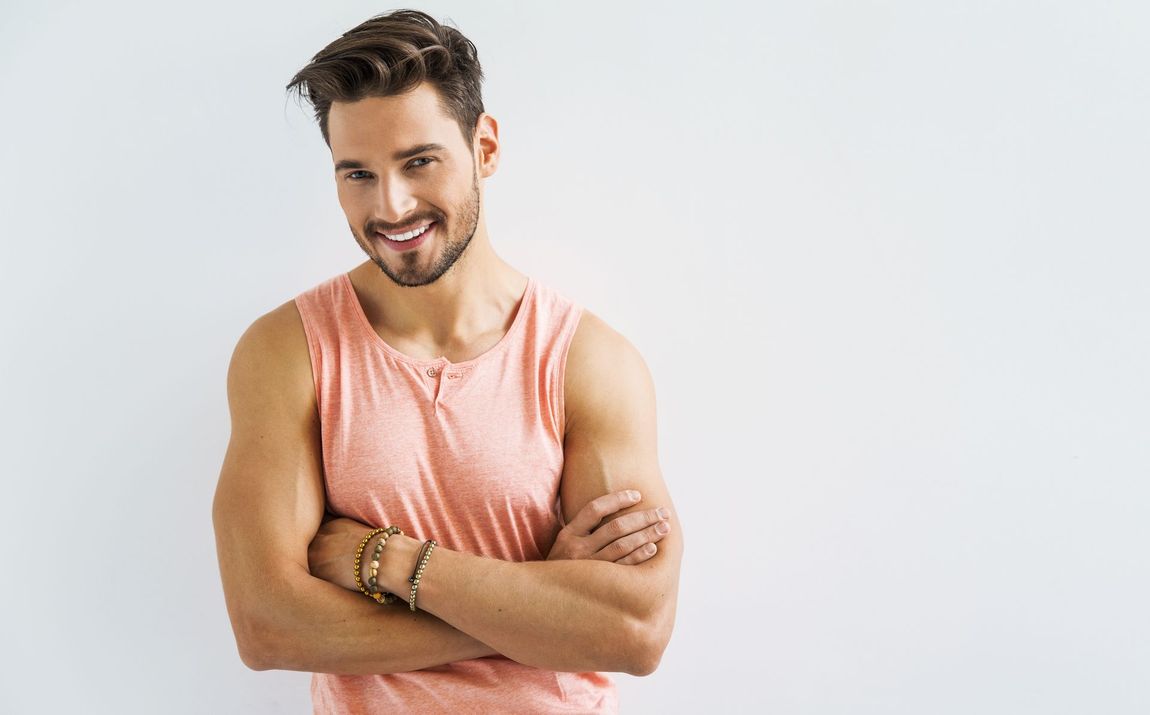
(397, 156)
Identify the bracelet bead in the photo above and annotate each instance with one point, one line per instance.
(382, 598)
(421, 564)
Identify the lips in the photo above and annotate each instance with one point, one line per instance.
(401, 231)
(408, 245)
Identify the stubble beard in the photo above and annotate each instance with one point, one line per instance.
(409, 275)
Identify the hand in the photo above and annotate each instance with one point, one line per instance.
(332, 551)
(630, 539)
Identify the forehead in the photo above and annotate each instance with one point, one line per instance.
(380, 124)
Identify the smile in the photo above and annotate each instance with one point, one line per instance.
(409, 240)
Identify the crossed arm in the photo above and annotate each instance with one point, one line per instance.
(547, 615)
(573, 615)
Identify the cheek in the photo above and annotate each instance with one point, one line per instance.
(353, 208)
(448, 186)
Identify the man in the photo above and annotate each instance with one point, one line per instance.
(437, 390)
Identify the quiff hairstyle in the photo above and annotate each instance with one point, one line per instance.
(388, 55)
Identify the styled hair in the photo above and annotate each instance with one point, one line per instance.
(388, 55)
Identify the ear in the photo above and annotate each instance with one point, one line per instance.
(486, 145)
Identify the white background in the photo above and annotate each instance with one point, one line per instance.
(887, 263)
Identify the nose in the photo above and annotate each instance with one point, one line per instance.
(396, 201)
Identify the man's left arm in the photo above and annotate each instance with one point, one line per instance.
(571, 615)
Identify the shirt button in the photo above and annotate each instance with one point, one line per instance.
(431, 372)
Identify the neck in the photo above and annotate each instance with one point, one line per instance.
(478, 296)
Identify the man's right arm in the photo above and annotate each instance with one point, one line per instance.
(268, 505)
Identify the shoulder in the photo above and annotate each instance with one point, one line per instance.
(277, 333)
(604, 370)
(273, 348)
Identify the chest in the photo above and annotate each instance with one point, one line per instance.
(481, 469)
(457, 352)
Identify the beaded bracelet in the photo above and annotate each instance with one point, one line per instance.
(373, 573)
(379, 597)
(421, 563)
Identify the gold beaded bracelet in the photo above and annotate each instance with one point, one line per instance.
(421, 561)
(379, 597)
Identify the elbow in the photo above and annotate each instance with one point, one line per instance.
(253, 659)
(649, 641)
(245, 630)
(650, 637)
(265, 625)
(646, 661)
(252, 652)
(255, 646)
(268, 628)
(642, 667)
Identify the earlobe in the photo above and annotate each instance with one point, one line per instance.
(490, 166)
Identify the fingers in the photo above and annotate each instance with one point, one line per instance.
(639, 555)
(628, 545)
(596, 509)
(624, 525)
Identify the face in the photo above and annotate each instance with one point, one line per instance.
(401, 163)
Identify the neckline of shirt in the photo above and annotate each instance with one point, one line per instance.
(525, 302)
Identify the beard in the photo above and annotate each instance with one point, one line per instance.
(406, 268)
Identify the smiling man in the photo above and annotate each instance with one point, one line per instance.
(505, 434)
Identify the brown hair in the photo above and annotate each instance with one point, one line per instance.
(390, 54)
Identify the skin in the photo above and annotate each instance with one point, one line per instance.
(600, 601)
(630, 539)
(451, 296)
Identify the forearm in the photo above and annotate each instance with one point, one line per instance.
(310, 625)
(565, 615)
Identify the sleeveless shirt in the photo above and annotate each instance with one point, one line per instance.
(467, 453)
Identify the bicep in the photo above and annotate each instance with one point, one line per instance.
(269, 500)
(611, 437)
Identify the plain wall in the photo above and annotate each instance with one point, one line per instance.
(886, 261)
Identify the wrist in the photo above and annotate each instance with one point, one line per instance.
(368, 554)
(396, 564)
(368, 564)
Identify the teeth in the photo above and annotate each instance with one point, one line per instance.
(409, 235)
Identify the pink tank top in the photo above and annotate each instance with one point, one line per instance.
(469, 454)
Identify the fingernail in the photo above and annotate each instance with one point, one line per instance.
(662, 527)
(634, 495)
(662, 512)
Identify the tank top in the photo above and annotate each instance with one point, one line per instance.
(467, 453)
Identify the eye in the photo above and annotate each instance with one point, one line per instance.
(352, 174)
(422, 158)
